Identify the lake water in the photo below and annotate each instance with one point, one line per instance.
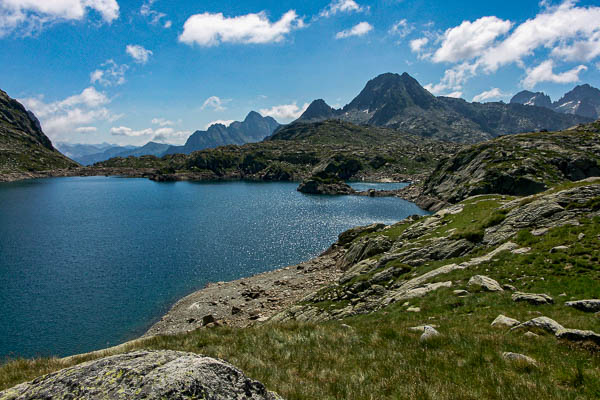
(91, 262)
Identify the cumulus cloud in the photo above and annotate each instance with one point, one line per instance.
(162, 122)
(153, 16)
(453, 79)
(139, 54)
(219, 121)
(401, 28)
(216, 103)
(545, 73)
(359, 29)
(284, 112)
(555, 25)
(580, 50)
(492, 94)
(109, 74)
(567, 32)
(417, 45)
(73, 114)
(209, 29)
(469, 39)
(342, 6)
(30, 16)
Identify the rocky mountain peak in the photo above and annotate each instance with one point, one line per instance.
(391, 90)
(317, 110)
(529, 98)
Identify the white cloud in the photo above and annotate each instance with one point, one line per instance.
(453, 78)
(359, 29)
(110, 74)
(216, 103)
(457, 94)
(401, 28)
(153, 16)
(342, 6)
(73, 114)
(139, 54)
(555, 25)
(213, 29)
(86, 129)
(219, 121)
(162, 122)
(492, 94)
(580, 50)
(30, 16)
(469, 39)
(568, 32)
(161, 135)
(284, 112)
(126, 131)
(416, 45)
(545, 73)
(169, 136)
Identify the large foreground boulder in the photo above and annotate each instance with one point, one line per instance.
(145, 375)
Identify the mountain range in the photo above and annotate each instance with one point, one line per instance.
(583, 100)
(88, 154)
(253, 128)
(400, 102)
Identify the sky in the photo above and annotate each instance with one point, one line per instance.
(131, 71)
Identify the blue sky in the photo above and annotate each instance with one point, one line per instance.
(126, 72)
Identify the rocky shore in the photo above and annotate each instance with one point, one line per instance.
(250, 300)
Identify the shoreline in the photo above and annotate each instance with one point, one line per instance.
(250, 300)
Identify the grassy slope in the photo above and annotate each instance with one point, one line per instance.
(378, 358)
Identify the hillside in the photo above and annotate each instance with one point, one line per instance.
(519, 165)
(400, 102)
(24, 148)
(349, 151)
(253, 128)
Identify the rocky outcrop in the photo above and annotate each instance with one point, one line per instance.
(540, 323)
(145, 375)
(576, 335)
(591, 305)
(484, 283)
(532, 298)
(317, 186)
(521, 165)
(519, 358)
(504, 321)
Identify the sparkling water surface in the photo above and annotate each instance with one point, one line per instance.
(91, 262)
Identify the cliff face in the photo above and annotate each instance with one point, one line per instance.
(24, 148)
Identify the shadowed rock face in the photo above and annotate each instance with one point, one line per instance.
(145, 375)
(24, 148)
